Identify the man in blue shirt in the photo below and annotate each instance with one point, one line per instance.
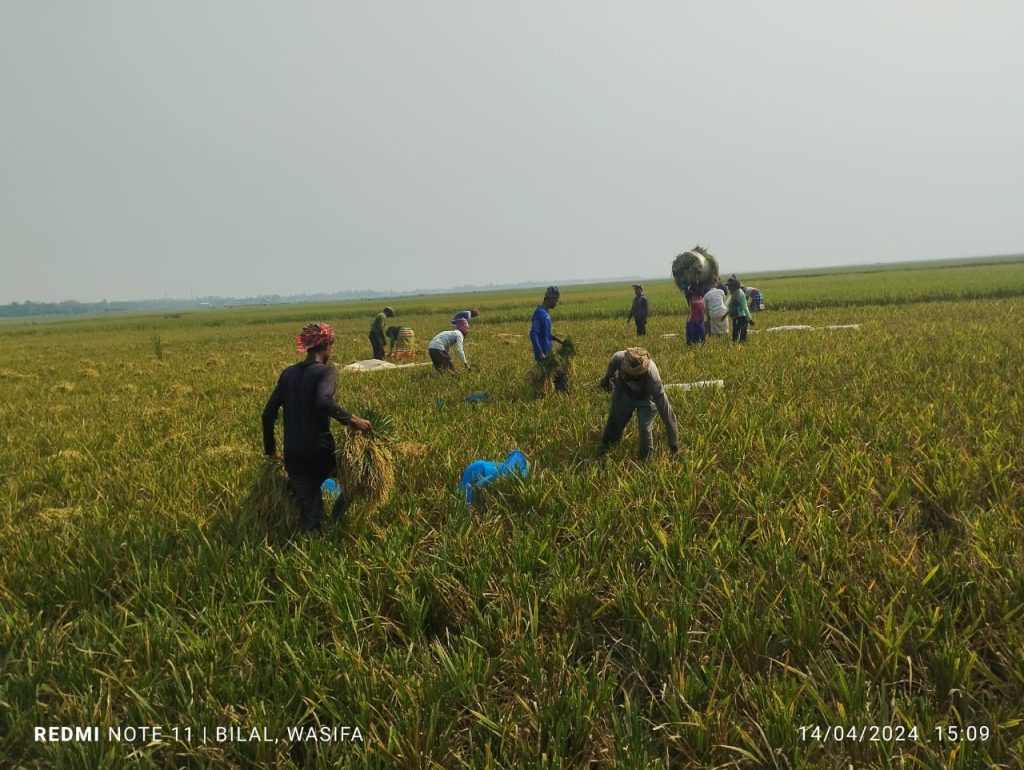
(540, 326)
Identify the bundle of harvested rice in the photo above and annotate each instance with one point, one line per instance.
(696, 268)
(366, 462)
(542, 375)
(567, 366)
(566, 354)
(270, 502)
(555, 370)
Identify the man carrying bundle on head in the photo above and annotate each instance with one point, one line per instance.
(540, 325)
(377, 331)
(306, 391)
(439, 347)
(638, 312)
(469, 315)
(635, 384)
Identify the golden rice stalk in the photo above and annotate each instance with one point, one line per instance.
(366, 462)
(567, 349)
(541, 379)
(270, 502)
(411, 449)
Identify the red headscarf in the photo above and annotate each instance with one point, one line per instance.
(313, 336)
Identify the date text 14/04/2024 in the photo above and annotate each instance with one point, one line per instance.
(893, 733)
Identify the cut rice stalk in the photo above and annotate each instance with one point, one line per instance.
(366, 463)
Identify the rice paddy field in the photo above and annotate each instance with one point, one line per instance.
(830, 573)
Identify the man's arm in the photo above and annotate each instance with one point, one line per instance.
(613, 367)
(657, 393)
(270, 417)
(461, 351)
(535, 337)
(325, 397)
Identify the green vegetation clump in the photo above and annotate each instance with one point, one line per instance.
(838, 541)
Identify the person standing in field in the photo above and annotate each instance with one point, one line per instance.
(469, 315)
(440, 347)
(715, 311)
(377, 331)
(695, 325)
(638, 311)
(755, 299)
(738, 311)
(540, 326)
(306, 391)
(635, 385)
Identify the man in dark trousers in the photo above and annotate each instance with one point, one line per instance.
(636, 386)
(306, 391)
(638, 312)
(377, 333)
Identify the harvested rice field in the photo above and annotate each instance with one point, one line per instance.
(829, 574)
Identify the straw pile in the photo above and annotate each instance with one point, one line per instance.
(696, 269)
(270, 502)
(366, 462)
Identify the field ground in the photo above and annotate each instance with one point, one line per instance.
(840, 541)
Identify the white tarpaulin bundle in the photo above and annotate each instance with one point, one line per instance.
(376, 365)
(810, 328)
(698, 384)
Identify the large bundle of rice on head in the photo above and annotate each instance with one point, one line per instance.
(270, 502)
(696, 268)
(366, 462)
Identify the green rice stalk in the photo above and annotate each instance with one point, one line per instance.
(270, 502)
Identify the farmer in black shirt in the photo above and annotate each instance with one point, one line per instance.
(306, 390)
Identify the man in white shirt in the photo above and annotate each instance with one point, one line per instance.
(439, 347)
(716, 311)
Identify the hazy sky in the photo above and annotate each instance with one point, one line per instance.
(250, 147)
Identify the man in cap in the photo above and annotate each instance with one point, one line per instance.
(540, 325)
(306, 391)
(635, 384)
(638, 312)
(377, 331)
